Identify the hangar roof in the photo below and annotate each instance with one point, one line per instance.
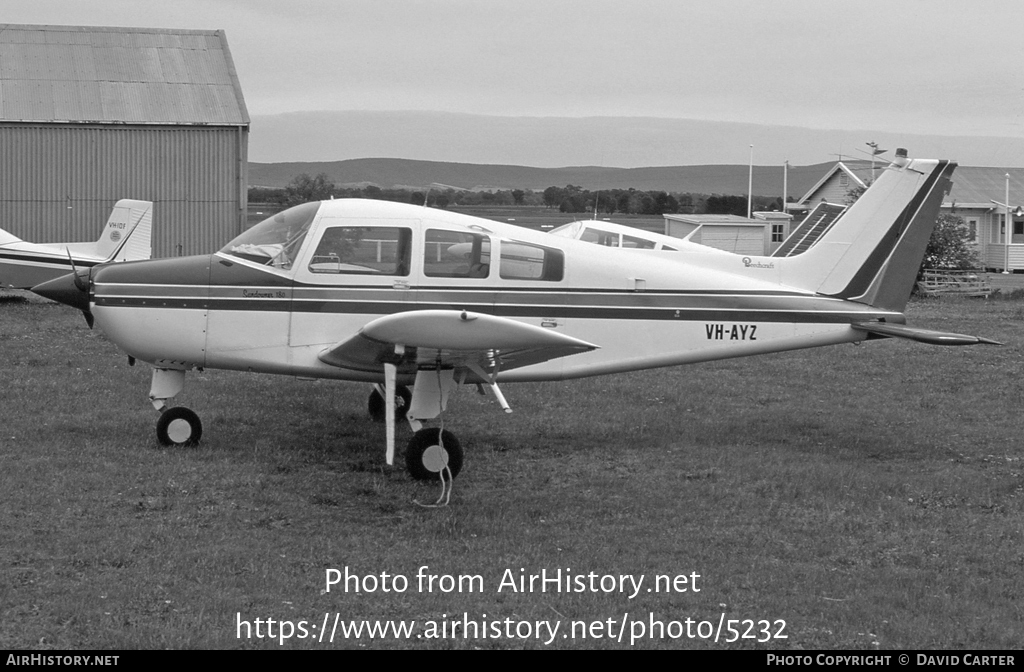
(118, 75)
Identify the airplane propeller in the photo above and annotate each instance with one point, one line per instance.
(71, 289)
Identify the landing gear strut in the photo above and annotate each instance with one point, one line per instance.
(376, 407)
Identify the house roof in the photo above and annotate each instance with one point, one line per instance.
(118, 75)
(716, 220)
(978, 186)
(860, 173)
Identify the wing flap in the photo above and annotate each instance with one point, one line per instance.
(921, 335)
(455, 338)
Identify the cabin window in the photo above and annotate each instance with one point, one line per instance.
(637, 243)
(456, 254)
(377, 250)
(778, 233)
(592, 235)
(523, 261)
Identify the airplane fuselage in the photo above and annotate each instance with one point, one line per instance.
(642, 309)
(400, 295)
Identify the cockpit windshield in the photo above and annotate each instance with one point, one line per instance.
(276, 240)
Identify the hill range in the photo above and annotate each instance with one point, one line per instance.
(421, 175)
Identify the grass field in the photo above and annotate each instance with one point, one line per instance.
(868, 497)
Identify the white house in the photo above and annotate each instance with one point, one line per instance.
(978, 197)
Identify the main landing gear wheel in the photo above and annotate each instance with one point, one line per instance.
(428, 452)
(179, 426)
(376, 407)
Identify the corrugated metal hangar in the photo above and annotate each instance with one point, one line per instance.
(92, 115)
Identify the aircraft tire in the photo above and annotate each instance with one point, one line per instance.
(375, 404)
(179, 426)
(426, 450)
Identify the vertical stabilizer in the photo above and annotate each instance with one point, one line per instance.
(873, 252)
(128, 233)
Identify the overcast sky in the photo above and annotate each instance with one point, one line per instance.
(924, 66)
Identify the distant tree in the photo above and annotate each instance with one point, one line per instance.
(305, 188)
(950, 246)
(518, 195)
(553, 196)
(267, 195)
(726, 205)
(662, 203)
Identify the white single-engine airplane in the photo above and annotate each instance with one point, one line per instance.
(126, 236)
(395, 295)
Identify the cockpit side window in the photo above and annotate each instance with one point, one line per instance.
(456, 254)
(524, 261)
(276, 240)
(592, 235)
(635, 243)
(377, 250)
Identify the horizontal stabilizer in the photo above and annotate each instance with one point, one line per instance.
(922, 335)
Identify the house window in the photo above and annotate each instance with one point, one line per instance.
(1018, 228)
(844, 180)
(972, 230)
(778, 233)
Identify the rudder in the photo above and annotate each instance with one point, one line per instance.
(873, 252)
(128, 233)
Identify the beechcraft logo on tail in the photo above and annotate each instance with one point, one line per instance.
(750, 263)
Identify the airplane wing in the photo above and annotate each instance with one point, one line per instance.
(921, 335)
(455, 339)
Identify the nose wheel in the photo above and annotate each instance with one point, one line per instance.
(429, 451)
(179, 426)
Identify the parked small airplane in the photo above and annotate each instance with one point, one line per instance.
(610, 234)
(393, 294)
(126, 236)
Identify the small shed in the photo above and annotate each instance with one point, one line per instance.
(731, 233)
(90, 115)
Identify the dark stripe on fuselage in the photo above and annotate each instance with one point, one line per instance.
(35, 258)
(171, 283)
(689, 308)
